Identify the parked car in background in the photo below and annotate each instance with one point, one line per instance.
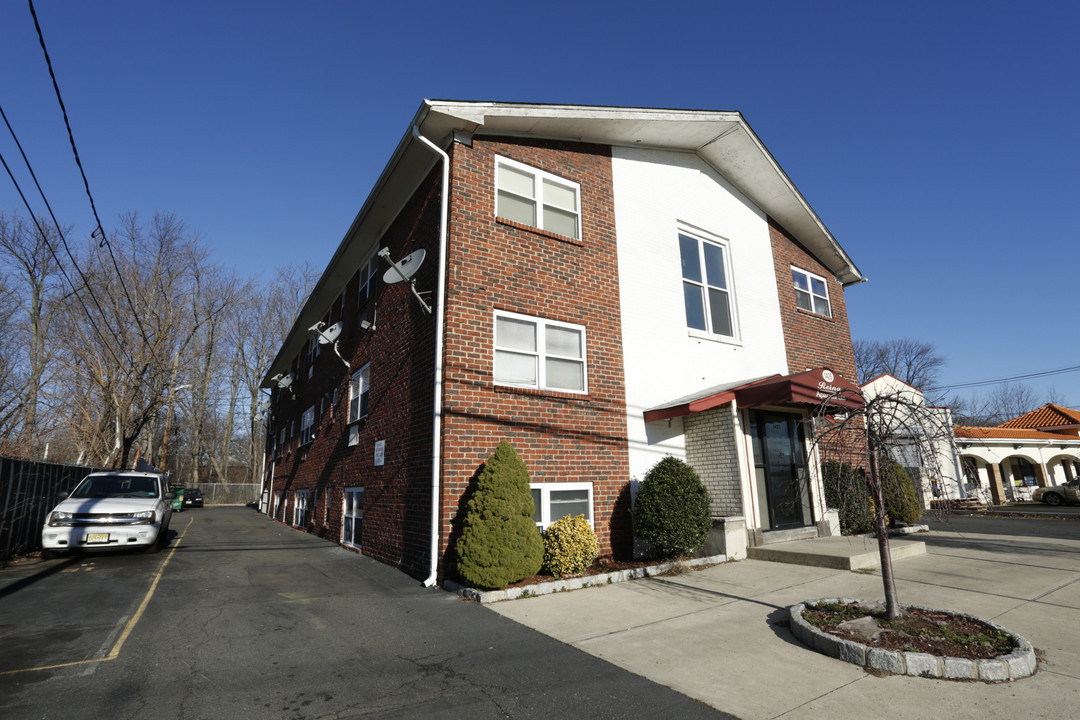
(193, 497)
(110, 511)
(178, 497)
(1058, 494)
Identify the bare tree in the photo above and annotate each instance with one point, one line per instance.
(1003, 403)
(136, 316)
(915, 362)
(33, 286)
(869, 436)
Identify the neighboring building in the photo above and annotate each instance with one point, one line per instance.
(602, 287)
(923, 442)
(1036, 449)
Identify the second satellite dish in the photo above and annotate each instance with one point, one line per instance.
(404, 268)
(330, 334)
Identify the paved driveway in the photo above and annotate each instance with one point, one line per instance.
(720, 635)
(242, 617)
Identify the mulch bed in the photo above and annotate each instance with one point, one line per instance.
(935, 632)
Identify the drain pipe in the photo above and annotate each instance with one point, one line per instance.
(440, 312)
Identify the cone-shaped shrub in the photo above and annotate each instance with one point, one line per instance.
(671, 512)
(499, 542)
(570, 546)
(847, 491)
(901, 501)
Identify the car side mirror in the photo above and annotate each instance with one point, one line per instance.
(170, 496)
(61, 496)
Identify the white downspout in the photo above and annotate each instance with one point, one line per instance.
(440, 311)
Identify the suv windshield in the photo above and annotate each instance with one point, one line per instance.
(101, 486)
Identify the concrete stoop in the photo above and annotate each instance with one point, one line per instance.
(838, 553)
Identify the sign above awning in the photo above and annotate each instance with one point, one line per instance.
(811, 387)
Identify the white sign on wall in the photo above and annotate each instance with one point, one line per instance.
(380, 452)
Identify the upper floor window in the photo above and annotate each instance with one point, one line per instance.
(706, 286)
(359, 388)
(307, 426)
(811, 292)
(536, 198)
(537, 353)
(369, 280)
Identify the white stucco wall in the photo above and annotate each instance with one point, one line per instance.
(656, 194)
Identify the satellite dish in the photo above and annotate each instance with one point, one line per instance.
(404, 268)
(330, 334)
(285, 381)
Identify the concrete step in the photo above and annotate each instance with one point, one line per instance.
(840, 553)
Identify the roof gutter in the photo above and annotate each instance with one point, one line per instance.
(440, 313)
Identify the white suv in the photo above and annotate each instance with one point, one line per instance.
(111, 511)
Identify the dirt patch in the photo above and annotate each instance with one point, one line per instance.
(936, 632)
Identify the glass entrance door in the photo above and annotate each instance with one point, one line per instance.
(780, 467)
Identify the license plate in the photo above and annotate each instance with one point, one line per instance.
(97, 538)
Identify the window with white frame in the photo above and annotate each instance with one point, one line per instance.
(536, 353)
(369, 281)
(307, 426)
(707, 287)
(352, 525)
(359, 389)
(312, 353)
(811, 292)
(538, 199)
(300, 508)
(279, 496)
(552, 501)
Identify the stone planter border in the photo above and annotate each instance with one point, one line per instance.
(1020, 663)
(576, 583)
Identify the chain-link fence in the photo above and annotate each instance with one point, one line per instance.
(229, 493)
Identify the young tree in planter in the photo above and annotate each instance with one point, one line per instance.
(671, 511)
(499, 542)
(887, 425)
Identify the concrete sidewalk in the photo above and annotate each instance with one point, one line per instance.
(720, 635)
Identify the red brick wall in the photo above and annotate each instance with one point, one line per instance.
(816, 341)
(401, 352)
(499, 265)
(811, 340)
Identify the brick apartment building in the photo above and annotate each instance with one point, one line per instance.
(600, 286)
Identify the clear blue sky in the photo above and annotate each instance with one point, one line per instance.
(937, 140)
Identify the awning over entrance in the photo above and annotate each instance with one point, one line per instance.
(811, 387)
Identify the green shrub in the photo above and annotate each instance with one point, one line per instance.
(499, 542)
(671, 512)
(901, 500)
(847, 491)
(570, 546)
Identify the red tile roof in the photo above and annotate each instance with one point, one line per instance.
(995, 433)
(1048, 416)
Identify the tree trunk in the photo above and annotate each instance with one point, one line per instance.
(888, 580)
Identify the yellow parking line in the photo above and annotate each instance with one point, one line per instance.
(115, 652)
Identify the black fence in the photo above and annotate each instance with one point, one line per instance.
(28, 491)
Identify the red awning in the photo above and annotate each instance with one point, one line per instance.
(812, 387)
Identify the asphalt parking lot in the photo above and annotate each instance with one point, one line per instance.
(241, 617)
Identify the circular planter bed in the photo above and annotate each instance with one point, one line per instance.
(849, 630)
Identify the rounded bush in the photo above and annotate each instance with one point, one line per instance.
(671, 511)
(901, 500)
(847, 491)
(570, 546)
(499, 542)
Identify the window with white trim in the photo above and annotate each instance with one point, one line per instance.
(300, 507)
(359, 389)
(538, 199)
(307, 426)
(352, 525)
(811, 292)
(312, 353)
(536, 353)
(707, 287)
(369, 281)
(552, 501)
